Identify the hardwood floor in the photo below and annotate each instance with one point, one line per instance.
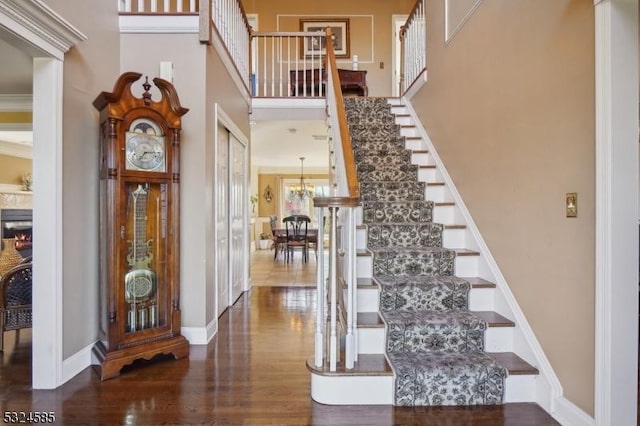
(252, 373)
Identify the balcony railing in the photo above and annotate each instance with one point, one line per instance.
(288, 64)
(413, 39)
(163, 7)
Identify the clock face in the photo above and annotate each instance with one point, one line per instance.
(145, 146)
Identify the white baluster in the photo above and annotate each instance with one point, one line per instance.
(280, 64)
(140, 6)
(333, 288)
(320, 291)
(264, 59)
(273, 65)
(192, 6)
(154, 6)
(351, 261)
(179, 6)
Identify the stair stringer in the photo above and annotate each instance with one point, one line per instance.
(548, 392)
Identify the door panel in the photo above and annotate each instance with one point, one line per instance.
(222, 218)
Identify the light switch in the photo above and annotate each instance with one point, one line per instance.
(572, 204)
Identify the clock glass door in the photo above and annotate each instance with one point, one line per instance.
(144, 236)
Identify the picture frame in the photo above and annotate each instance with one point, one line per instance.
(339, 29)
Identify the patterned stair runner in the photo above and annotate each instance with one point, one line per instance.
(433, 343)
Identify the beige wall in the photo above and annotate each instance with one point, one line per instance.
(510, 107)
(89, 68)
(371, 45)
(12, 169)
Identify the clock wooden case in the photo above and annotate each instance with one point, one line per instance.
(139, 225)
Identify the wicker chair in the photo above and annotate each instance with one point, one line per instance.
(15, 300)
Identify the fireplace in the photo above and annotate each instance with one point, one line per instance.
(18, 224)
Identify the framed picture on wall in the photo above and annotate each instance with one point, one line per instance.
(340, 33)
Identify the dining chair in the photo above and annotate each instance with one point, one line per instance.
(279, 240)
(297, 227)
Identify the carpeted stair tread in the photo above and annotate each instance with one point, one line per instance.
(413, 261)
(447, 378)
(397, 211)
(414, 293)
(428, 331)
(412, 235)
(392, 191)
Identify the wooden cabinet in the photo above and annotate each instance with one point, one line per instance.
(353, 82)
(139, 225)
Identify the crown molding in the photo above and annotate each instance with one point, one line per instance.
(16, 103)
(37, 23)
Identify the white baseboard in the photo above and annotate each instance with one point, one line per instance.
(567, 413)
(77, 362)
(200, 335)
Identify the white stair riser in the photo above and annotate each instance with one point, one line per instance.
(352, 390)
(409, 131)
(414, 144)
(465, 266)
(371, 340)
(454, 237)
(403, 120)
(429, 175)
(496, 339)
(421, 158)
(520, 388)
(378, 390)
(368, 299)
(443, 214)
(481, 299)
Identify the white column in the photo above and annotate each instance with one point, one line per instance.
(616, 336)
(47, 223)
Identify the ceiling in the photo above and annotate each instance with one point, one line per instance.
(281, 143)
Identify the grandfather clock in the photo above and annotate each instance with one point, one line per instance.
(139, 225)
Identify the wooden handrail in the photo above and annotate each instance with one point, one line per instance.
(347, 150)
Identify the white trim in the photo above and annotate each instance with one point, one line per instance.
(567, 413)
(227, 60)
(616, 251)
(37, 23)
(548, 386)
(395, 53)
(16, 103)
(33, 22)
(47, 223)
(73, 365)
(159, 24)
(448, 36)
(200, 335)
(416, 85)
(292, 108)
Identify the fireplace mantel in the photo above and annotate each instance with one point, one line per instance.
(12, 197)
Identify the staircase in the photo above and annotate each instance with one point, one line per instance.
(427, 331)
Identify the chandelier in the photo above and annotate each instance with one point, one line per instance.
(302, 190)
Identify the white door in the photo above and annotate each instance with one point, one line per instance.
(222, 218)
(238, 210)
(397, 22)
